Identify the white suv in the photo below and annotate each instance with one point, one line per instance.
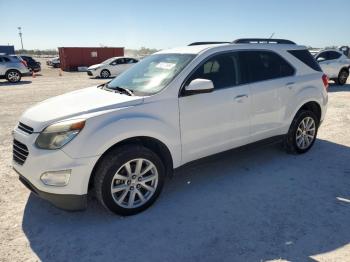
(111, 67)
(121, 139)
(335, 65)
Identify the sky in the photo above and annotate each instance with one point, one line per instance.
(165, 24)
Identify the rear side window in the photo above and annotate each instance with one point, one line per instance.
(305, 57)
(264, 65)
(333, 55)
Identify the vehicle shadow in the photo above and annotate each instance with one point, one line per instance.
(252, 204)
(337, 88)
(23, 82)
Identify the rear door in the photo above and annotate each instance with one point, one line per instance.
(219, 120)
(116, 66)
(271, 80)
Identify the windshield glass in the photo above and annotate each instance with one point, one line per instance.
(109, 60)
(151, 74)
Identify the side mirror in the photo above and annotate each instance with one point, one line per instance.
(199, 86)
(320, 59)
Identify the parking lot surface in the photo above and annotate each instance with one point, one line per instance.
(250, 204)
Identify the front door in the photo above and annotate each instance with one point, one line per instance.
(219, 120)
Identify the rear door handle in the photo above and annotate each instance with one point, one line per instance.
(240, 98)
(290, 84)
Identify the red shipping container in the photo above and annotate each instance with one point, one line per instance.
(73, 57)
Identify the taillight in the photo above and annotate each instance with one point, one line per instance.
(325, 81)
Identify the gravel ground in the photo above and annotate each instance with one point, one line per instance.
(252, 204)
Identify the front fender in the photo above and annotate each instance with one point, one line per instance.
(104, 133)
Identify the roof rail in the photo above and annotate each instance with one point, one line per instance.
(263, 41)
(208, 43)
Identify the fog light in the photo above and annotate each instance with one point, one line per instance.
(56, 178)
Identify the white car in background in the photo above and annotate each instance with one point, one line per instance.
(111, 67)
(334, 64)
(54, 62)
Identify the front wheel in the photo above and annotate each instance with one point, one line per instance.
(13, 76)
(105, 73)
(302, 132)
(129, 179)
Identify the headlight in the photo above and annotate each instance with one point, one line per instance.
(59, 134)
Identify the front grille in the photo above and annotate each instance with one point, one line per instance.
(25, 128)
(20, 152)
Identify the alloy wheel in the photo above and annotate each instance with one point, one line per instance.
(305, 134)
(134, 183)
(13, 76)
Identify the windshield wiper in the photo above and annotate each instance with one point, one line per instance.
(121, 90)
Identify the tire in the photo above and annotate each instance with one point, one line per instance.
(112, 174)
(13, 76)
(293, 142)
(105, 73)
(342, 77)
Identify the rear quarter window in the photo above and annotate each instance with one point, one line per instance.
(305, 57)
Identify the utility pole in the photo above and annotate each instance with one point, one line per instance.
(20, 35)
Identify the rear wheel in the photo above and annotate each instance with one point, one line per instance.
(342, 77)
(302, 132)
(13, 76)
(105, 73)
(129, 179)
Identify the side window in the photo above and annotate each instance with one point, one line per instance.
(304, 56)
(121, 61)
(4, 59)
(129, 60)
(333, 55)
(265, 65)
(221, 69)
(322, 56)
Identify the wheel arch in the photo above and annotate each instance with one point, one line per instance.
(312, 106)
(149, 142)
(347, 68)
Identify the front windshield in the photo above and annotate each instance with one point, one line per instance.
(151, 74)
(109, 60)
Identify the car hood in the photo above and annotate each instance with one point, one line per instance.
(73, 104)
(95, 66)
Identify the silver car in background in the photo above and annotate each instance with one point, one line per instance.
(12, 68)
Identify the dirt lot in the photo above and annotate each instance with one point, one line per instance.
(255, 204)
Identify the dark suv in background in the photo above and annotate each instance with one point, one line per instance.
(32, 64)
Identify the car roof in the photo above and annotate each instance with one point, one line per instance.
(196, 49)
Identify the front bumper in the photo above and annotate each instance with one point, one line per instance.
(66, 202)
(93, 73)
(38, 161)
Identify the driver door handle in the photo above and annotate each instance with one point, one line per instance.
(240, 98)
